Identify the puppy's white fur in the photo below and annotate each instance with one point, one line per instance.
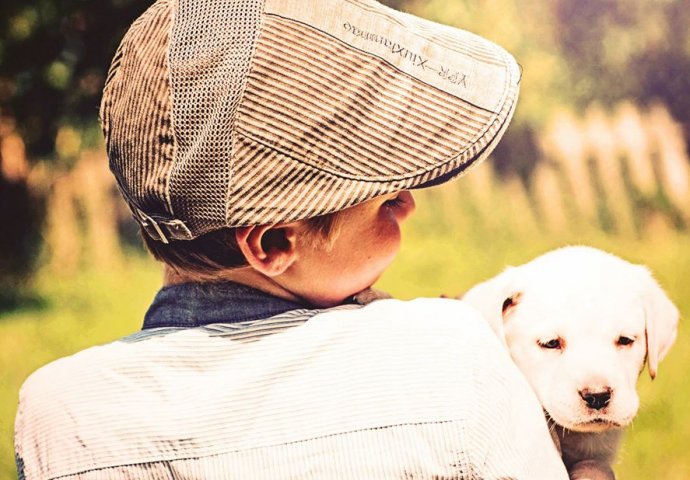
(589, 304)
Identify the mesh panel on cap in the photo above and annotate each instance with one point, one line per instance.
(210, 51)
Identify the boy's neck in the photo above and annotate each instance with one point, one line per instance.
(243, 275)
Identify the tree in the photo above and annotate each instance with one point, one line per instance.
(54, 56)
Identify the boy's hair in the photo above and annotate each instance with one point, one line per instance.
(208, 254)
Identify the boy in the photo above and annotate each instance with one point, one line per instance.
(267, 149)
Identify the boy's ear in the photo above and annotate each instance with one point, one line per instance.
(270, 249)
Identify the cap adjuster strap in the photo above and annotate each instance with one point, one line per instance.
(161, 229)
(149, 223)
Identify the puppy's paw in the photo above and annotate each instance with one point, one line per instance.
(369, 295)
(591, 470)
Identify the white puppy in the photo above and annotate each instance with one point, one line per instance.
(579, 324)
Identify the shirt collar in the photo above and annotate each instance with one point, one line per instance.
(197, 304)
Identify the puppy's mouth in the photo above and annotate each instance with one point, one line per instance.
(596, 425)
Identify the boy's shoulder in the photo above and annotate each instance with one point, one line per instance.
(388, 363)
(437, 312)
(413, 320)
(420, 321)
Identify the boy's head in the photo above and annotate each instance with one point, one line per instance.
(320, 261)
(241, 113)
(205, 257)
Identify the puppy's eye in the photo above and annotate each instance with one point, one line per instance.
(624, 341)
(555, 343)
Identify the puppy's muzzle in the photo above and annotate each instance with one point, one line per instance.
(596, 400)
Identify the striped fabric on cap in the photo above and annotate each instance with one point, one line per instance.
(349, 113)
(135, 113)
(285, 190)
(348, 127)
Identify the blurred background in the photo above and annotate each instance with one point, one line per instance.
(597, 154)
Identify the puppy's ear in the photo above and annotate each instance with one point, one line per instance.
(509, 305)
(494, 297)
(661, 322)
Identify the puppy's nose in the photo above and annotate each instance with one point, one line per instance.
(596, 400)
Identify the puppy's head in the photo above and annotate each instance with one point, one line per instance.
(579, 324)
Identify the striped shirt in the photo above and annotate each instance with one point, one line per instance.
(415, 390)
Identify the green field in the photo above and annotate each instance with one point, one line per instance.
(438, 257)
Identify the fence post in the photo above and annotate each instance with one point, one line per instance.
(95, 192)
(62, 237)
(631, 137)
(608, 169)
(563, 142)
(673, 169)
(549, 197)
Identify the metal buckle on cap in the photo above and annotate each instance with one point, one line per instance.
(152, 228)
(161, 229)
(177, 229)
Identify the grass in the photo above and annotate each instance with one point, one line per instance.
(448, 246)
(76, 312)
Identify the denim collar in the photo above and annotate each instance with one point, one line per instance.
(197, 304)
